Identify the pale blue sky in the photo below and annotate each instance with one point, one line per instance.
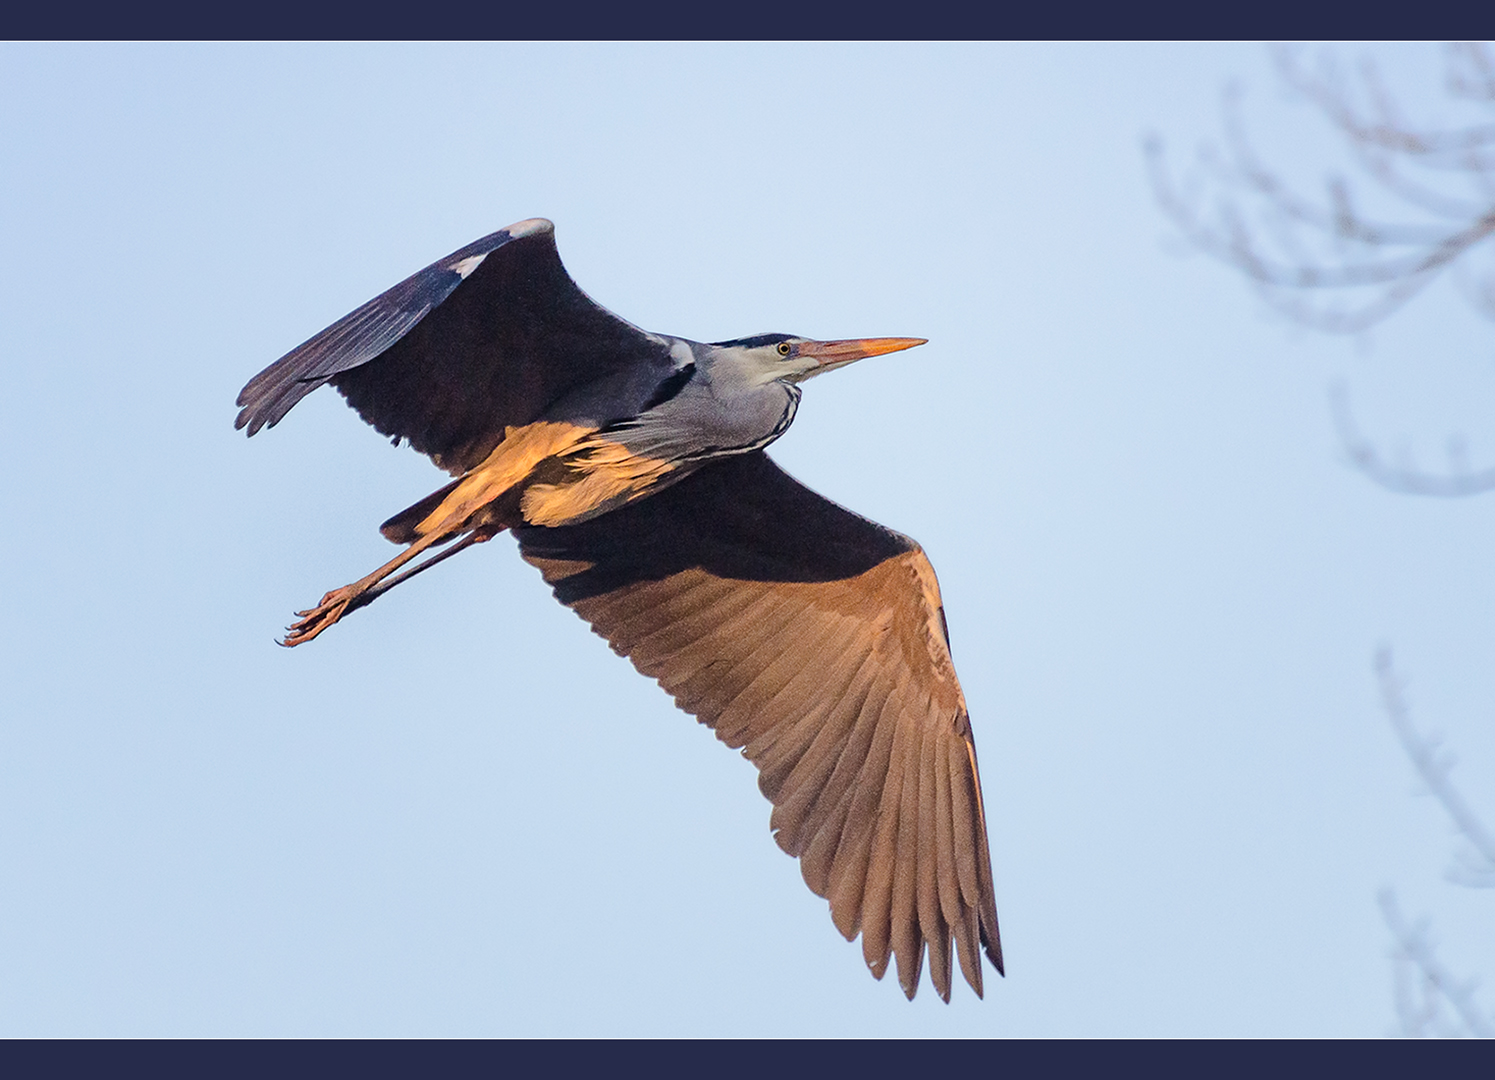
(459, 813)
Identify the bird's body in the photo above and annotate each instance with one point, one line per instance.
(629, 465)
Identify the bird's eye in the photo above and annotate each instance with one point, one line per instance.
(784, 348)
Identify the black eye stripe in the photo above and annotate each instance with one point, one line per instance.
(753, 342)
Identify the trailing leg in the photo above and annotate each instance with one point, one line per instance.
(339, 602)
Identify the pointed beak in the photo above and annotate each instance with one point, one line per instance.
(835, 353)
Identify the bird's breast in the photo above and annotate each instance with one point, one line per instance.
(633, 459)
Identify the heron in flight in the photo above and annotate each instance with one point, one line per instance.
(630, 466)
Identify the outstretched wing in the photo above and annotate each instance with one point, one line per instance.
(481, 340)
(814, 640)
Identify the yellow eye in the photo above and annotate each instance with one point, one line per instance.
(784, 348)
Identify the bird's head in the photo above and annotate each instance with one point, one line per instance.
(792, 359)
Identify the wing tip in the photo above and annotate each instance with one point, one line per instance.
(271, 393)
(530, 227)
(993, 946)
(253, 420)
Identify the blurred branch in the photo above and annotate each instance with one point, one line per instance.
(1475, 863)
(1471, 75)
(1296, 247)
(1424, 985)
(1405, 479)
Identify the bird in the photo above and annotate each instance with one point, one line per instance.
(630, 467)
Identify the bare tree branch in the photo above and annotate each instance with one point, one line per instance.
(1474, 864)
(1327, 90)
(1458, 482)
(1423, 984)
(1296, 247)
(1341, 259)
(1471, 72)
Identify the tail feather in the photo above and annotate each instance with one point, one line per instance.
(400, 529)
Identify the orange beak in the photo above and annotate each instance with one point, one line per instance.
(835, 353)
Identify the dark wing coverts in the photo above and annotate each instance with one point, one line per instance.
(481, 340)
(812, 639)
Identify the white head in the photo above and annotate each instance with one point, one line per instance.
(786, 358)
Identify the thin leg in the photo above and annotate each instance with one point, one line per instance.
(466, 542)
(339, 602)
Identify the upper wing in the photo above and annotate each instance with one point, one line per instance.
(483, 339)
(814, 640)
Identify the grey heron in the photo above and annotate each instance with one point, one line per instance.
(630, 466)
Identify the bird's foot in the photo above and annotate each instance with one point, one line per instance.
(311, 623)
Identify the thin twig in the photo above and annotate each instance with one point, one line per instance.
(1363, 454)
(1326, 91)
(1296, 245)
(1434, 983)
(1477, 867)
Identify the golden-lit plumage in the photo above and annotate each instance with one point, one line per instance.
(630, 467)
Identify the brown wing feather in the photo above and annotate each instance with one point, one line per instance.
(813, 639)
